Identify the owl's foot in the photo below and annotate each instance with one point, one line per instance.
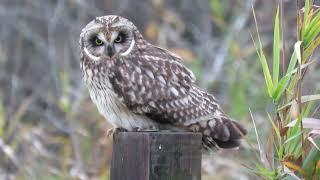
(136, 129)
(112, 131)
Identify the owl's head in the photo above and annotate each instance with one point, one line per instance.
(108, 37)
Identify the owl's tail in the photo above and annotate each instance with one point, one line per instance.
(219, 133)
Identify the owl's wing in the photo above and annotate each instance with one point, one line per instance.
(154, 82)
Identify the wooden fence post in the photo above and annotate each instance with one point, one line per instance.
(156, 156)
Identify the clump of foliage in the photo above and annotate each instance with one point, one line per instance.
(292, 149)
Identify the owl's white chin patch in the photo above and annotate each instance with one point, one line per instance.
(129, 49)
(95, 58)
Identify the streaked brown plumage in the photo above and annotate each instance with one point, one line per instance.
(137, 85)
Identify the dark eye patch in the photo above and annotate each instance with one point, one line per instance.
(95, 41)
(122, 37)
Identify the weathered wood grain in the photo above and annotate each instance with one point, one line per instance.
(156, 156)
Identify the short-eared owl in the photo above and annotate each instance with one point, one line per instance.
(137, 85)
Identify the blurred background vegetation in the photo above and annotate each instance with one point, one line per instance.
(49, 128)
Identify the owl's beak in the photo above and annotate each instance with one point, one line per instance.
(110, 50)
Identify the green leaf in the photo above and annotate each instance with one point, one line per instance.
(289, 139)
(276, 49)
(296, 69)
(281, 87)
(310, 49)
(292, 63)
(266, 73)
(263, 60)
(284, 81)
(312, 32)
(293, 142)
(305, 18)
(313, 29)
(309, 163)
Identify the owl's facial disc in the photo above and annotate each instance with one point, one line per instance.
(104, 41)
(129, 49)
(94, 45)
(123, 41)
(109, 43)
(91, 56)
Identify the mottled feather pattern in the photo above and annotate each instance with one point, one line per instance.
(163, 89)
(150, 88)
(109, 103)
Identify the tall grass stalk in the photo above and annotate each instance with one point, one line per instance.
(293, 139)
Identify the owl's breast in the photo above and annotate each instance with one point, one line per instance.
(110, 105)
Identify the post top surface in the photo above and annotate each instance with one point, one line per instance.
(144, 133)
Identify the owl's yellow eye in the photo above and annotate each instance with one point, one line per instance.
(98, 42)
(118, 39)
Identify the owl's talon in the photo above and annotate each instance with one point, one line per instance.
(136, 129)
(112, 131)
